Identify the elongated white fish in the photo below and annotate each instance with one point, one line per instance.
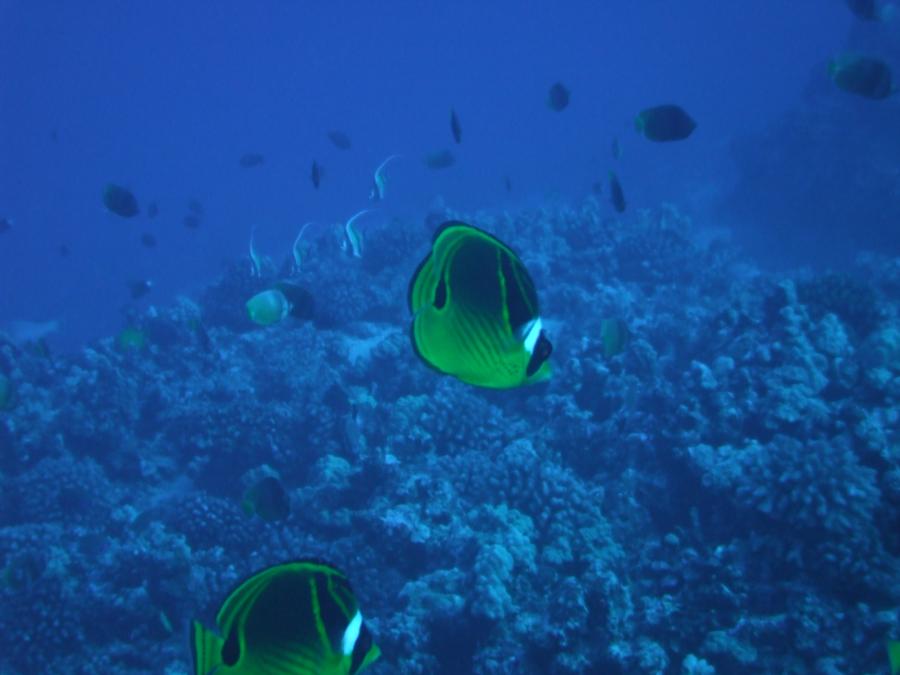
(380, 184)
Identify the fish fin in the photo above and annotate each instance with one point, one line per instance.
(206, 648)
(286, 661)
(893, 649)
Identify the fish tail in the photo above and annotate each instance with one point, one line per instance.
(893, 648)
(206, 648)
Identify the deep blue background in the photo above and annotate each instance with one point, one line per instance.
(165, 96)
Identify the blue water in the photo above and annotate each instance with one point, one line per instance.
(165, 97)
(716, 492)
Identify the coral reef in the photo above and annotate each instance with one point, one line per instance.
(721, 496)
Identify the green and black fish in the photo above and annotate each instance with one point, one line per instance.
(664, 123)
(475, 311)
(558, 97)
(455, 128)
(275, 304)
(296, 618)
(870, 78)
(120, 200)
(893, 648)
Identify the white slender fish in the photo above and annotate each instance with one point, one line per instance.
(380, 184)
(354, 236)
(297, 250)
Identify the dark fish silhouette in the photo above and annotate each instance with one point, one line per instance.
(195, 206)
(152, 210)
(139, 288)
(558, 98)
(120, 200)
(869, 10)
(616, 195)
(663, 123)
(441, 159)
(148, 240)
(251, 159)
(340, 140)
(455, 129)
(870, 78)
(315, 174)
(191, 221)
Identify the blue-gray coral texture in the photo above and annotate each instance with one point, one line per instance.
(723, 496)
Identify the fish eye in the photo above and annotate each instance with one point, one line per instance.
(440, 294)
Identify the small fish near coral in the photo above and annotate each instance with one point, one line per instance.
(475, 311)
(267, 499)
(276, 304)
(297, 617)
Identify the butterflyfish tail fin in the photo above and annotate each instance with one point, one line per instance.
(206, 648)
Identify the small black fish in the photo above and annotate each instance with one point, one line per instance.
(340, 140)
(148, 240)
(663, 123)
(268, 499)
(455, 129)
(5, 225)
(616, 195)
(251, 159)
(315, 174)
(191, 221)
(152, 210)
(441, 159)
(868, 10)
(140, 288)
(558, 98)
(120, 201)
(870, 78)
(194, 206)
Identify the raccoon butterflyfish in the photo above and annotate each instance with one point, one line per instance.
(274, 304)
(300, 617)
(475, 311)
(893, 648)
